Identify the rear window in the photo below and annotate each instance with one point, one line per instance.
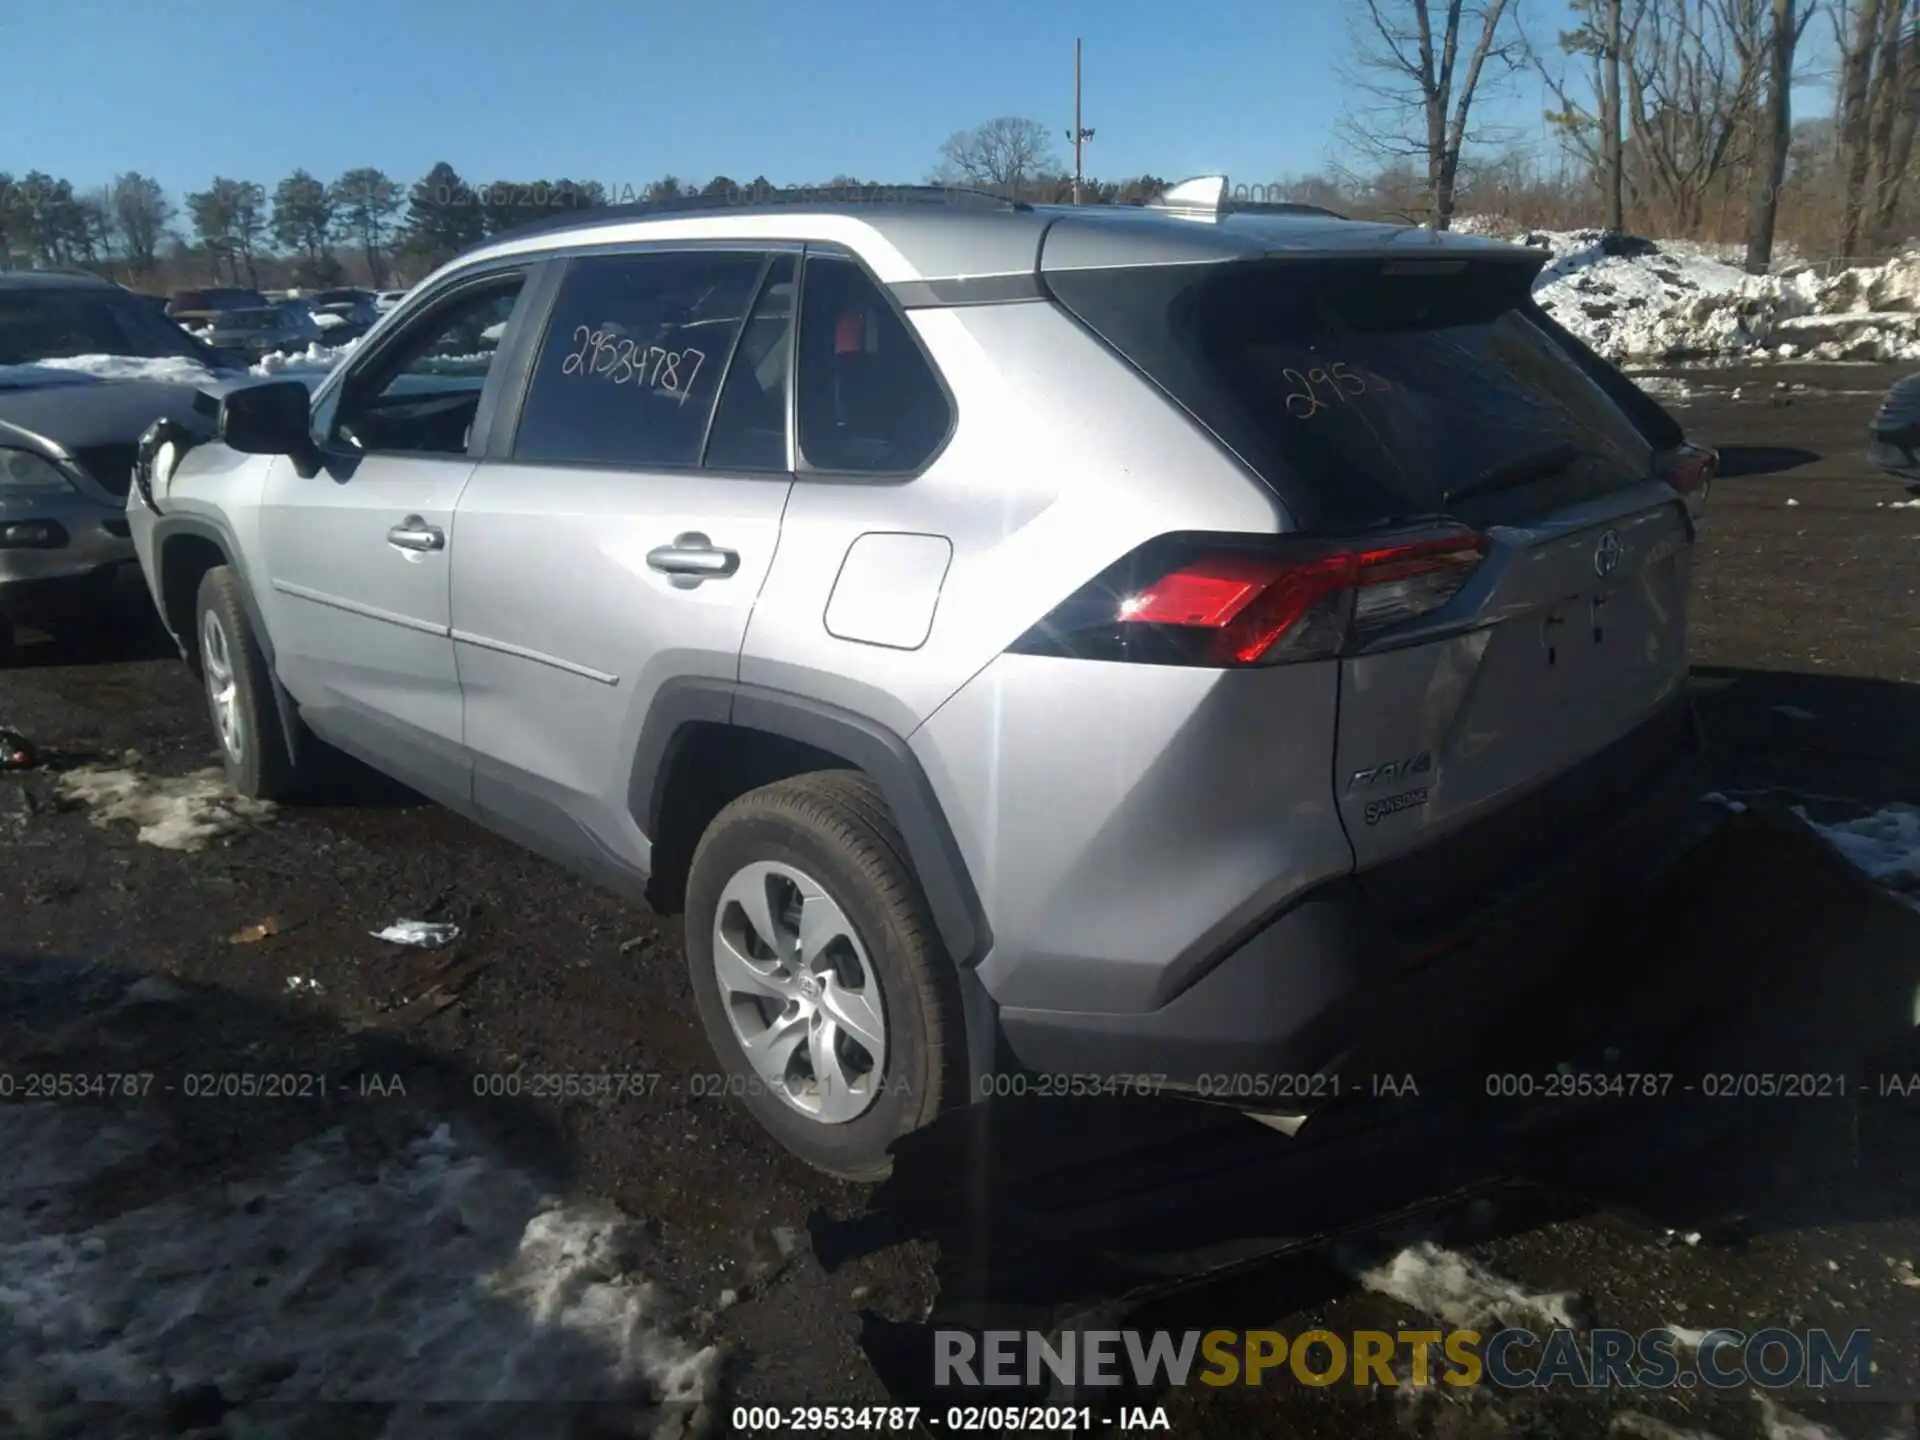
(216, 299)
(59, 322)
(1364, 393)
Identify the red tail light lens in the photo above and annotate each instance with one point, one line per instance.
(1225, 602)
(1690, 470)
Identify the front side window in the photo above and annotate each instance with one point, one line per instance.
(421, 396)
(634, 357)
(868, 401)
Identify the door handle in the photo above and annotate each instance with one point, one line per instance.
(413, 533)
(691, 558)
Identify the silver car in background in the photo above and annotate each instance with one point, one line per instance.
(1132, 645)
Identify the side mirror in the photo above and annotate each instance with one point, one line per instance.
(270, 419)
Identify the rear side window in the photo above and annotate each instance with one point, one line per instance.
(1366, 395)
(867, 398)
(634, 356)
(750, 428)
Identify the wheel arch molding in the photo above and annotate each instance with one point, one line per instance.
(687, 706)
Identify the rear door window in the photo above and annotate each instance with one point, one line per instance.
(868, 400)
(749, 429)
(1372, 395)
(634, 356)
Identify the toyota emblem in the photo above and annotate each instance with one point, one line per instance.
(1606, 555)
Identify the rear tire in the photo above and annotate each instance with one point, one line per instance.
(851, 1000)
(239, 690)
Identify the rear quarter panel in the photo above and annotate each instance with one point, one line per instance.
(1062, 460)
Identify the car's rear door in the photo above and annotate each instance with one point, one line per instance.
(620, 527)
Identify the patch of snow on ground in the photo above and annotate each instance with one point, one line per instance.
(438, 1277)
(1779, 1423)
(1452, 1287)
(172, 812)
(1885, 844)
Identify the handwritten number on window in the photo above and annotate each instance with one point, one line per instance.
(621, 361)
(1323, 388)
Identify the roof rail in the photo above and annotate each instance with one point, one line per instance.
(1208, 197)
(789, 197)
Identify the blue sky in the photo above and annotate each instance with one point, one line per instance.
(623, 91)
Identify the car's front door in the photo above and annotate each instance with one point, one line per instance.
(619, 529)
(357, 552)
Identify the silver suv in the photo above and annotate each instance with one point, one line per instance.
(1035, 647)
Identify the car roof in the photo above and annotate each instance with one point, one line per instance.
(54, 280)
(934, 233)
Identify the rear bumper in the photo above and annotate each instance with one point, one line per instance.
(1361, 971)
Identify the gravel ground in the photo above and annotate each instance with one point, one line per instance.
(402, 1231)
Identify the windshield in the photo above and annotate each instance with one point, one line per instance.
(59, 323)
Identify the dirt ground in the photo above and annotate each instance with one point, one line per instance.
(1807, 648)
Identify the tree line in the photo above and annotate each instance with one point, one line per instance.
(365, 227)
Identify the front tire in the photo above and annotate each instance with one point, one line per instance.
(239, 690)
(818, 974)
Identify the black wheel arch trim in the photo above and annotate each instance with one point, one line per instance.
(871, 747)
(205, 527)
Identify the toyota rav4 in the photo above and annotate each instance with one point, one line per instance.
(1095, 642)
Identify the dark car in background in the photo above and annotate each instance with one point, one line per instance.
(260, 330)
(196, 309)
(343, 314)
(85, 367)
(1893, 443)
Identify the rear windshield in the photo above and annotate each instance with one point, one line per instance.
(57, 323)
(215, 299)
(1364, 393)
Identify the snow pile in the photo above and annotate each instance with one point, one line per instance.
(314, 360)
(433, 1277)
(1636, 299)
(172, 813)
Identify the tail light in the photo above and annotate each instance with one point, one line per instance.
(1230, 602)
(1690, 470)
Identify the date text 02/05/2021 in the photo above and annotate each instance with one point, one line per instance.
(811, 1420)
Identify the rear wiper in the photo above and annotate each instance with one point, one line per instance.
(1511, 475)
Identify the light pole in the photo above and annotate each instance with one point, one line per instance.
(1080, 134)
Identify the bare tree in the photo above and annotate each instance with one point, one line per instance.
(1409, 62)
(1597, 129)
(141, 211)
(1892, 98)
(1851, 106)
(1007, 153)
(1775, 138)
(1692, 76)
